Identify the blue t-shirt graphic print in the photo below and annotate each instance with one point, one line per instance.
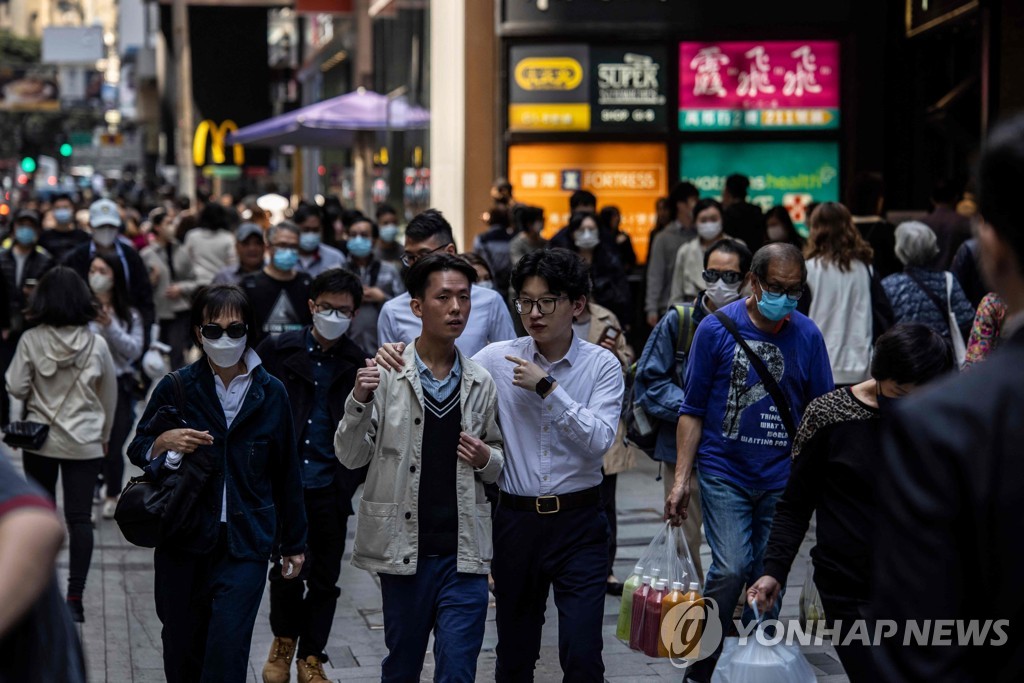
(743, 438)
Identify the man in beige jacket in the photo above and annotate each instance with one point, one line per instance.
(430, 436)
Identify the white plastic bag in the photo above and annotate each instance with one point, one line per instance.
(756, 662)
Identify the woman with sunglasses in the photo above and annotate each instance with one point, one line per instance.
(235, 424)
(839, 275)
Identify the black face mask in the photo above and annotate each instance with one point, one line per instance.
(886, 405)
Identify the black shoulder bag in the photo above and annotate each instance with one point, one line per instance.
(770, 385)
(140, 509)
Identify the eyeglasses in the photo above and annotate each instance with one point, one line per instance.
(327, 309)
(215, 331)
(546, 305)
(729, 277)
(409, 259)
(284, 246)
(792, 294)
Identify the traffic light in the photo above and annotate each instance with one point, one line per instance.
(28, 165)
(65, 149)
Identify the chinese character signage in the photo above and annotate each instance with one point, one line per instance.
(769, 85)
(629, 176)
(791, 174)
(577, 88)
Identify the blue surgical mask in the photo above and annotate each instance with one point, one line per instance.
(25, 235)
(388, 232)
(360, 247)
(62, 216)
(285, 259)
(309, 241)
(775, 306)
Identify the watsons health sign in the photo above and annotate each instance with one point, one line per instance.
(790, 174)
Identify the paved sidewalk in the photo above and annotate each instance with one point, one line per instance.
(122, 634)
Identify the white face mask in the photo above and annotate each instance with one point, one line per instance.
(722, 294)
(587, 239)
(105, 236)
(776, 233)
(100, 283)
(224, 352)
(709, 231)
(331, 326)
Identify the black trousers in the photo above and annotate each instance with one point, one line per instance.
(124, 418)
(175, 333)
(7, 349)
(608, 484)
(857, 658)
(567, 551)
(77, 479)
(304, 608)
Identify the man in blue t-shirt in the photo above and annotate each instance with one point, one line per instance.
(732, 426)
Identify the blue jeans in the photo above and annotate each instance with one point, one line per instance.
(440, 599)
(737, 521)
(207, 605)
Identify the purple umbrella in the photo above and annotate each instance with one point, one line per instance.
(332, 122)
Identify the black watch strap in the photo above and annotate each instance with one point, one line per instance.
(544, 385)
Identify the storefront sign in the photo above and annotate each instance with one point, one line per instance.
(791, 174)
(629, 176)
(578, 88)
(791, 85)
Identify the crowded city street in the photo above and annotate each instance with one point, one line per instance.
(511, 340)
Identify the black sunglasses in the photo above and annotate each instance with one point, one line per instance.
(729, 277)
(215, 331)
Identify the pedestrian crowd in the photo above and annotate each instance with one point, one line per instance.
(473, 411)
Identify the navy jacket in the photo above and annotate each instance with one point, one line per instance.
(256, 457)
(286, 358)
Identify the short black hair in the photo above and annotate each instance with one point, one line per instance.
(214, 217)
(428, 224)
(730, 246)
(374, 230)
(209, 302)
(704, 204)
(563, 271)
(62, 299)
(737, 184)
(911, 353)
(305, 212)
(525, 216)
(337, 281)
(777, 251)
(350, 216)
(1000, 175)
(580, 198)
(577, 218)
(384, 209)
(682, 192)
(419, 274)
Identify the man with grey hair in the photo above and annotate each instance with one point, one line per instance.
(753, 367)
(279, 293)
(920, 294)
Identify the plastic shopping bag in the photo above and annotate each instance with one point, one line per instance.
(754, 661)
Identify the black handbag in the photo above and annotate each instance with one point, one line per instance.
(31, 436)
(140, 509)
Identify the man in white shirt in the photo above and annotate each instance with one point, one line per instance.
(490, 321)
(559, 399)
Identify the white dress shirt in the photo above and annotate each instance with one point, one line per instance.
(555, 445)
(489, 321)
(231, 399)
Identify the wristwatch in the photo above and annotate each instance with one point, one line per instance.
(544, 385)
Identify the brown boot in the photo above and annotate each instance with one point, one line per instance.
(311, 670)
(279, 661)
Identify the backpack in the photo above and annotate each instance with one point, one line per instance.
(641, 429)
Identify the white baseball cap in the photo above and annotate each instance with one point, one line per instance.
(104, 212)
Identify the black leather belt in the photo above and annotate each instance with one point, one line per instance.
(547, 505)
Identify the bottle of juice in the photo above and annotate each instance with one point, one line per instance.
(675, 597)
(637, 616)
(693, 625)
(652, 618)
(626, 608)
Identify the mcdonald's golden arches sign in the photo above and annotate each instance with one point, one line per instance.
(208, 131)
